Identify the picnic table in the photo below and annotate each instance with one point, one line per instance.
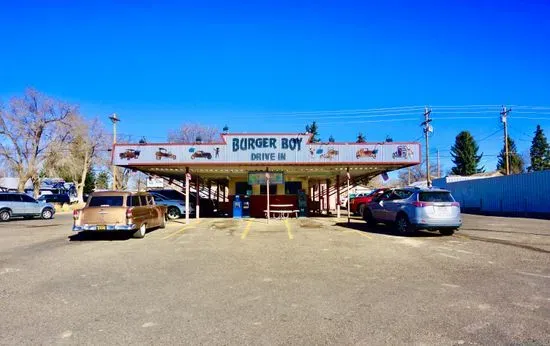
(281, 213)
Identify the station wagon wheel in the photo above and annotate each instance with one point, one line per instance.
(5, 215)
(140, 233)
(402, 225)
(47, 214)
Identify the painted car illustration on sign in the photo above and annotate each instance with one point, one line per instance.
(130, 154)
(331, 152)
(163, 152)
(403, 152)
(201, 154)
(366, 152)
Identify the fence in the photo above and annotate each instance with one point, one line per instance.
(521, 194)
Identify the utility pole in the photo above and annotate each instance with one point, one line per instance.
(409, 169)
(438, 165)
(504, 120)
(114, 120)
(427, 129)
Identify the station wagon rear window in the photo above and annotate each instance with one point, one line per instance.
(106, 201)
(435, 196)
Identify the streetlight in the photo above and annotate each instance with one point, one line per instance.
(114, 119)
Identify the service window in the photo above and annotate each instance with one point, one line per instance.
(292, 187)
(242, 187)
(272, 189)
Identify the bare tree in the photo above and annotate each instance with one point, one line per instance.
(29, 126)
(191, 133)
(418, 173)
(88, 145)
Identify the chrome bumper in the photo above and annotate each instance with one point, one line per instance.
(83, 228)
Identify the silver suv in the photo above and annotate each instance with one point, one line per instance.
(410, 209)
(22, 205)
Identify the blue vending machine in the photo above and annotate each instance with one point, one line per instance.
(237, 207)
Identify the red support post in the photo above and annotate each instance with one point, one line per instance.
(197, 197)
(328, 196)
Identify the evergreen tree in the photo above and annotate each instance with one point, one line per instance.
(89, 182)
(361, 138)
(515, 160)
(540, 152)
(331, 139)
(464, 153)
(314, 130)
(102, 181)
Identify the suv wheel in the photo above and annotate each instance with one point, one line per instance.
(5, 215)
(47, 213)
(402, 225)
(361, 209)
(367, 216)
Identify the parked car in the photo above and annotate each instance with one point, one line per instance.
(175, 207)
(207, 207)
(410, 209)
(23, 205)
(55, 198)
(360, 201)
(120, 211)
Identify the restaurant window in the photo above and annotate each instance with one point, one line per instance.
(242, 187)
(272, 189)
(292, 187)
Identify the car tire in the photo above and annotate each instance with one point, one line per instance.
(173, 213)
(447, 231)
(369, 219)
(5, 215)
(402, 225)
(163, 222)
(46, 214)
(361, 209)
(140, 233)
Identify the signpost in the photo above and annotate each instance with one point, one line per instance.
(348, 176)
(267, 177)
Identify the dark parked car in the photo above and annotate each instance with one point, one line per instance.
(55, 198)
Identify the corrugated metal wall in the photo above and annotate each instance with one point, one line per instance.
(520, 193)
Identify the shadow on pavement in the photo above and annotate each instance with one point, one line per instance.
(105, 236)
(383, 229)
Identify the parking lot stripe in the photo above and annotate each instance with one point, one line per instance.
(246, 229)
(181, 230)
(290, 236)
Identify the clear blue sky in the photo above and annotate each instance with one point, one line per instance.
(219, 62)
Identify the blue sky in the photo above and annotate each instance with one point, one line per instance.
(253, 65)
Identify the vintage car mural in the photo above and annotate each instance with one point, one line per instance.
(403, 152)
(201, 154)
(130, 154)
(366, 152)
(163, 152)
(331, 153)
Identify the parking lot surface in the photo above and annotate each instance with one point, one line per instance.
(294, 281)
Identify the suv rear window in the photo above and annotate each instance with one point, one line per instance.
(435, 197)
(111, 201)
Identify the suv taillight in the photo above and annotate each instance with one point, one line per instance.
(76, 214)
(455, 204)
(129, 214)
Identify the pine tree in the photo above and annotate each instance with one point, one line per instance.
(331, 139)
(361, 138)
(314, 130)
(540, 152)
(515, 160)
(464, 153)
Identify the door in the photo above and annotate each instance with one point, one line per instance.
(16, 204)
(30, 204)
(377, 206)
(395, 201)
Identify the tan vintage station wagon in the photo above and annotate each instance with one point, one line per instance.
(120, 211)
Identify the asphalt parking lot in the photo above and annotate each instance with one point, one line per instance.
(295, 281)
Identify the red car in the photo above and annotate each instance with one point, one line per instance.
(357, 205)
